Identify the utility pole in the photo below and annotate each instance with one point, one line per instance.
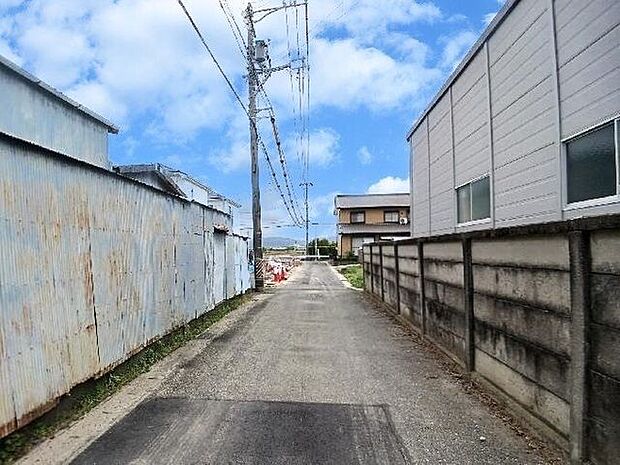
(257, 232)
(257, 54)
(306, 185)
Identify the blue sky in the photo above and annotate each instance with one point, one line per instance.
(374, 67)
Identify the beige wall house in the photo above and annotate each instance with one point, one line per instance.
(370, 217)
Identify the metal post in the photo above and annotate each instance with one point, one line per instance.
(397, 278)
(306, 185)
(579, 248)
(372, 283)
(381, 270)
(422, 287)
(468, 298)
(257, 235)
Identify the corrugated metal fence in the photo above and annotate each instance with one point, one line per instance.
(93, 267)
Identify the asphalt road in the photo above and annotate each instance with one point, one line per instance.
(314, 374)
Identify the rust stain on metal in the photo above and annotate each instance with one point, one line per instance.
(96, 268)
(35, 413)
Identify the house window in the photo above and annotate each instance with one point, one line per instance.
(358, 217)
(474, 201)
(391, 217)
(592, 164)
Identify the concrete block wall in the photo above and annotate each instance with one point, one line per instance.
(443, 296)
(522, 322)
(389, 277)
(532, 312)
(409, 287)
(365, 258)
(603, 431)
(376, 271)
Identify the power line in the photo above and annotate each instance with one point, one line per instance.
(292, 198)
(217, 64)
(290, 75)
(230, 19)
(275, 180)
(238, 98)
(292, 193)
(301, 100)
(239, 39)
(272, 117)
(308, 91)
(236, 32)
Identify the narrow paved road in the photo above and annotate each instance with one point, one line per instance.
(314, 374)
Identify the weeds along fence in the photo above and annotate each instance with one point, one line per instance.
(93, 267)
(533, 312)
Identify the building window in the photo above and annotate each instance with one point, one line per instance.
(391, 217)
(358, 217)
(474, 201)
(592, 164)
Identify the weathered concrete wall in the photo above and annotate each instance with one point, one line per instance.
(93, 267)
(533, 311)
(522, 321)
(376, 271)
(365, 258)
(604, 374)
(409, 284)
(390, 281)
(443, 288)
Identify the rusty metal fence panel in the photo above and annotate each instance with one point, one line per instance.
(241, 255)
(93, 267)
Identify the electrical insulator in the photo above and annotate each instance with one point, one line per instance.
(260, 51)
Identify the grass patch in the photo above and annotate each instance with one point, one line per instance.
(84, 397)
(354, 275)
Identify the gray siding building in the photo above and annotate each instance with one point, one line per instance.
(526, 128)
(35, 112)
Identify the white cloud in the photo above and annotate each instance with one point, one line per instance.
(488, 18)
(324, 147)
(365, 76)
(112, 56)
(364, 156)
(6, 51)
(63, 56)
(234, 158)
(368, 19)
(389, 185)
(457, 18)
(134, 59)
(456, 47)
(7, 4)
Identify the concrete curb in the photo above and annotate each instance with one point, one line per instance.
(342, 279)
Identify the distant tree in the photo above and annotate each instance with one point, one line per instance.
(324, 246)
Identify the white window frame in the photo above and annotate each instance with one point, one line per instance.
(391, 212)
(471, 205)
(601, 201)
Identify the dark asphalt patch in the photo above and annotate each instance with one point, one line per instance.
(200, 431)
